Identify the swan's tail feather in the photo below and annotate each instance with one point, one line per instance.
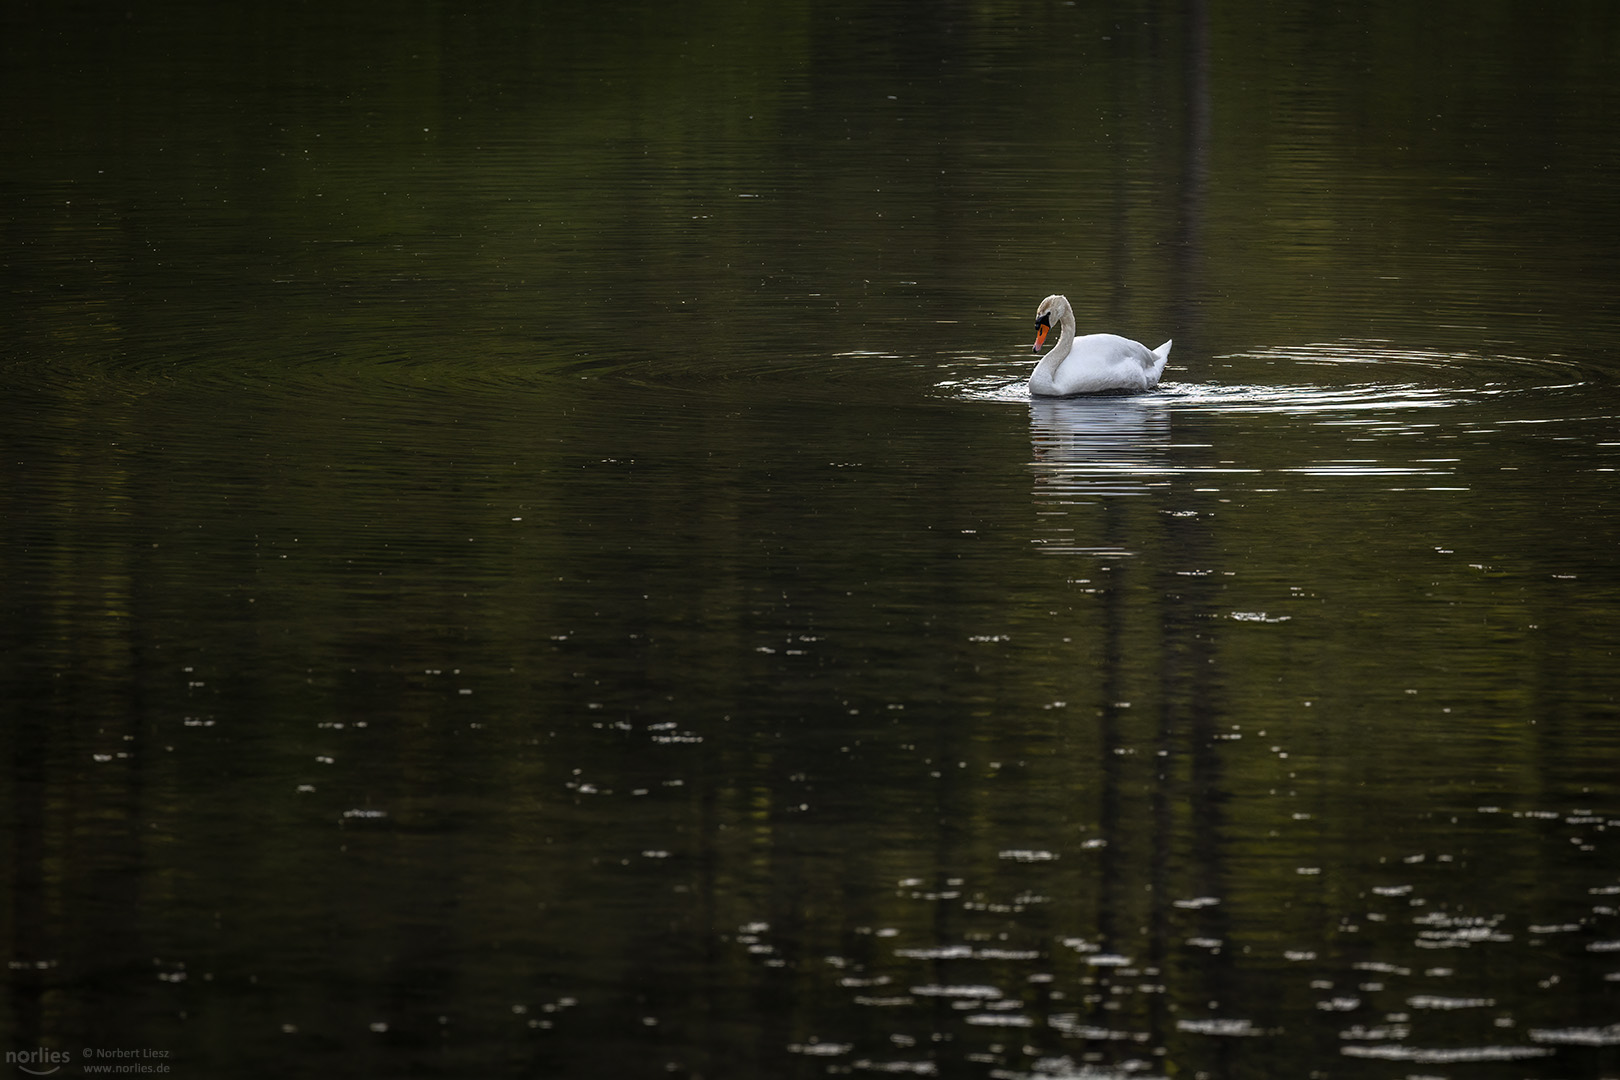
(1163, 354)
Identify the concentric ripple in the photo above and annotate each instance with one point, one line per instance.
(1347, 376)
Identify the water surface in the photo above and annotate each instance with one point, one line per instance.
(526, 550)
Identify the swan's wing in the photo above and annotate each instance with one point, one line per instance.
(1099, 362)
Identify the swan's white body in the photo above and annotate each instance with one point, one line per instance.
(1093, 364)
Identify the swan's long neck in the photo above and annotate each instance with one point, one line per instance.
(1060, 351)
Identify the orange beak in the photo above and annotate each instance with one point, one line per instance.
(1040, 337)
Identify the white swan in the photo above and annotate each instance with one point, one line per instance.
(1094, 364)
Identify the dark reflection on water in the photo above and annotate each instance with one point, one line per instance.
(526, 549)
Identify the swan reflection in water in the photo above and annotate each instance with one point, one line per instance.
(1090, 452)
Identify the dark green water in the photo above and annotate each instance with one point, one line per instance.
(526, 551)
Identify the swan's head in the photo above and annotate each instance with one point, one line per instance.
(1048, 315)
